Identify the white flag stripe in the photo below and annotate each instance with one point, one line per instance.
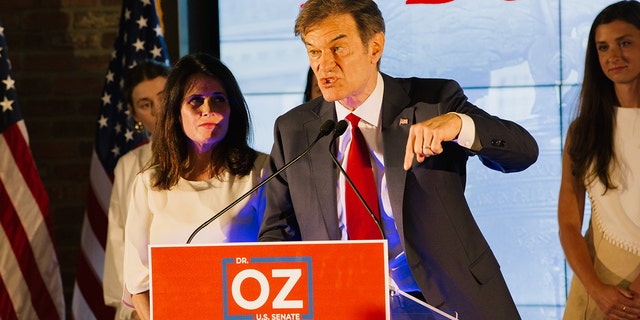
(101, 184)
(32, 284)
(33, 225)
(30, 215)
(23, 128)
(14, 281)
(92, 249)
(80, 306)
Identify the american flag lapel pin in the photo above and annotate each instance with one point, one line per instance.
(404, 121)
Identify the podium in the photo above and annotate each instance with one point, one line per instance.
(279, 281)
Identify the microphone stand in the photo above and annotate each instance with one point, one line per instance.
(339, 130)
(325, 129)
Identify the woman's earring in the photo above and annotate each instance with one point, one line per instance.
(138, 126)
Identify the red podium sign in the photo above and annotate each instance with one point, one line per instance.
(271, 281)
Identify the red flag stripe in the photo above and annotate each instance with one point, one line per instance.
(30, 281)
(27, 263)
(86, 282)
(18, 291)
(79, 307)
(101, 181)
(21, 248)
(19, 147)
(27, 189)
(98, 220)
(7, 311)
(92, 250)
(88, 301)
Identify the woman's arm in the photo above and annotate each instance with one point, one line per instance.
(571, 202)
(142, 305)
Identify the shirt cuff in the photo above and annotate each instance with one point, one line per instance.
(467, 134)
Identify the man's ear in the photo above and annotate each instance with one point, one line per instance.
(376, 46)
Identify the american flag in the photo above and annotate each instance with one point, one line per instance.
(140, 37)
(30, 282)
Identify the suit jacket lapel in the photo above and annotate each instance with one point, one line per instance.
(323, 172)
(396, 121)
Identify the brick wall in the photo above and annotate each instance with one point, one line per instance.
(59, 50)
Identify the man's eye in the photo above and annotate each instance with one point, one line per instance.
(340, 51)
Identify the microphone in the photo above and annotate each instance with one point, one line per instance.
(325, 129)
(339, 130)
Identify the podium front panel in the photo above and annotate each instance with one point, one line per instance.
(270, 281)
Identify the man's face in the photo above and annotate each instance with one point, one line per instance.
(346, 69)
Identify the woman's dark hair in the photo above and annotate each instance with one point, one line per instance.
(171, 145)
(591, 133)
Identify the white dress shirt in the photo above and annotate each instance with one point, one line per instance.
(371, 128)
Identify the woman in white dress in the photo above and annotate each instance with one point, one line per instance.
(201, 162)
(142, 86)
(602, 159)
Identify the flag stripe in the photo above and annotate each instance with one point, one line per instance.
(80, 306)
(101, 183)
(26, 190)
(86, 281)
(6, 312)
(31, 285)
(28, 265)
(17, 289)
(98, 219)
(19, 147)
(92, 249)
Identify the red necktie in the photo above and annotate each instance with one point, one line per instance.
(360, 224)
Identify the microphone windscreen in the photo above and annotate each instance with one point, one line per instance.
(326, 128)
(340, 128)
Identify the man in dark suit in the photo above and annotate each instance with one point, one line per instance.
(419, 133)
